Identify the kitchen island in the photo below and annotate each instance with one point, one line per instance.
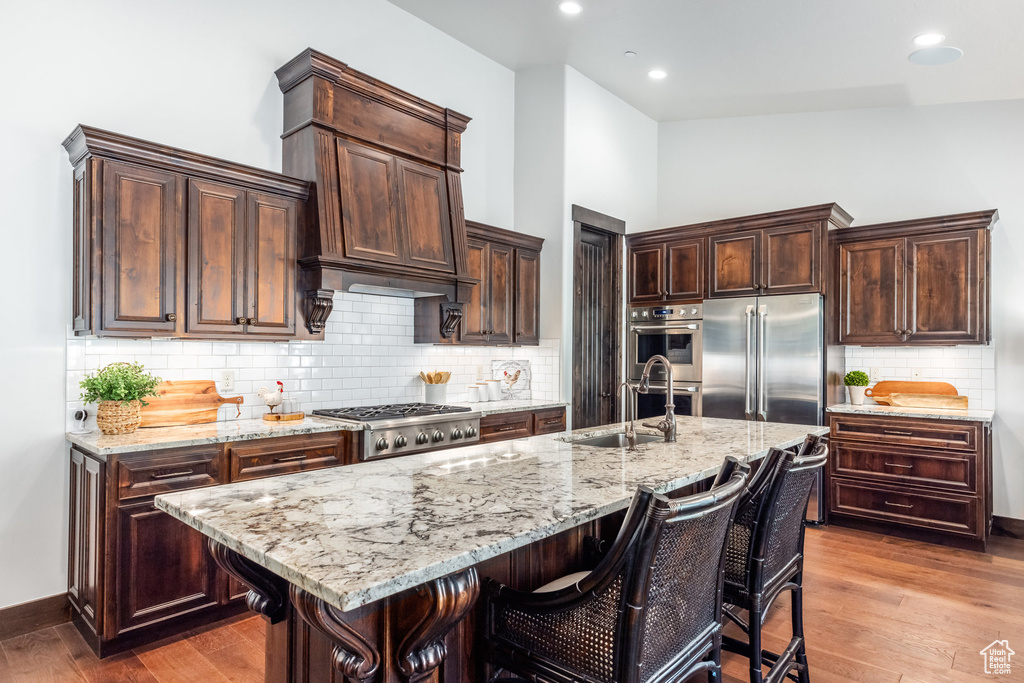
(373, 569)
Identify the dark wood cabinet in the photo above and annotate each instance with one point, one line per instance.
(423, 215)
(782, 260)
(735, 264)
(367, 184)
(172, 243)
(919, 282)
(135, 573)
(521, 424)
(685, 270)
(927, 478)
(504, 307)
(647, 274)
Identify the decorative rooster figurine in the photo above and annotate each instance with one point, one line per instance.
(272, 398)
(512, 379)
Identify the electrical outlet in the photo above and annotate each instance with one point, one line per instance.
(915, 373)
(874, 374)
(226, 379)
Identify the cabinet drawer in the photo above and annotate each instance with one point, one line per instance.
(936, 469)
(937, 511)
(285, 456)
(549, 421)
(160, 472)
(506, 426)
(960, 436)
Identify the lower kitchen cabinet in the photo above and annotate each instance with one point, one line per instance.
(519, 425)
(136, 574)
(927, 479)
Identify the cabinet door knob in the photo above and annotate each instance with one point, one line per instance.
(171, 317)
(252, 321)
(898, 333)
(240, 320)
(908, 332)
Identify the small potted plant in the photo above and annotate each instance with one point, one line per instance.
(118, 390)
(856, 383)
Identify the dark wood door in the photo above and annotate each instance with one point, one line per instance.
(85, 555)
(476, 318)
(271, 264)
(596, 316)
(647, 274)
(142, 224)
(685, 270)
(527, 297)
(502, 273)
(791, 259)
(423, 215)
(871, 292)
(216, 258)
(369, 193)
(735, 262)
(163, 567)
(944, 288)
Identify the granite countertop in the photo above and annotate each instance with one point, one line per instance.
(871, 408)
(486, 408)
(152, 438)
(354, 535)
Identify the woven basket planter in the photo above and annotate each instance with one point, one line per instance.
(115, 417)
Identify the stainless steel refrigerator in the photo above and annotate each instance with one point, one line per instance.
(764, 360)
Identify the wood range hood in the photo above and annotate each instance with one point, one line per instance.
(385, 166)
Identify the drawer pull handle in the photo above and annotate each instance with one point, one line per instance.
(292, 458)
(893, 464)
(171, 475)
(552, 420)
(897, 505)
(507, 428)
(898, 433)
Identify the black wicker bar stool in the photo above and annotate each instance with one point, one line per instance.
(649, 612)
(765, 556)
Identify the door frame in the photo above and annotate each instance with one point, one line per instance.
(615, 228)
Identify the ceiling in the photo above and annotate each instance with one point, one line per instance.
(749, 57)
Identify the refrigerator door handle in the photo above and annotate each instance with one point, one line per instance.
(748, 394)
(762, 343)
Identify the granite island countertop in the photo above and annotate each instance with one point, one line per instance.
(354, 535)
(152, 438)
(968, 415)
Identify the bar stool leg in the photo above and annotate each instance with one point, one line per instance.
(755, 646)
(797, 601)
(715, 672)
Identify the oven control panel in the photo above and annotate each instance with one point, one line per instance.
(447, 432)
(646, 314)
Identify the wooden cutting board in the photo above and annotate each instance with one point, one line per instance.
(928, 401)
(184, 403)
(881, 391)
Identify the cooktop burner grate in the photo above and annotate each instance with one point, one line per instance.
(390, 411)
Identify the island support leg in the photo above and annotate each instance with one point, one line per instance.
(268, 593)
(448, 600)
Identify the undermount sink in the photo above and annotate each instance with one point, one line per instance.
(618, 440)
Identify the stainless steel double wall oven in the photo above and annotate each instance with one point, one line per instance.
(675, 332)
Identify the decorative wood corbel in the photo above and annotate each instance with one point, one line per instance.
(319, 304)
(268, 592)
(353, 656)
(449, 599)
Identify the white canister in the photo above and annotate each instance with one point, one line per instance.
(494, 389)
(436, 393)
(474, 393)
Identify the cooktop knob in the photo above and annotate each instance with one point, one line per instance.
(471, 432)
(382, 444)
(438, 436)
(693, 311)
(401, 442)
(456, 433)
(422, 438)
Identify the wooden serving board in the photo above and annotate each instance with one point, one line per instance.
(283, 417)
(928, 401)
(881, 391)
(184, 403)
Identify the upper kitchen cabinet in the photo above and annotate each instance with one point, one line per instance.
(168, 243)
(504, 308)
(923, 281)
(386, 165)
(772, 253)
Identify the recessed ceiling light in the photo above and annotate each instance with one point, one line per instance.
(571, 7)
(629, 53)
(927, 39)
(657, 74)
(936, 56)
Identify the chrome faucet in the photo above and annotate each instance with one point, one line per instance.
(667, 425)
(630, 428)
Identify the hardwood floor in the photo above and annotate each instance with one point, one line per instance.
(877, 609)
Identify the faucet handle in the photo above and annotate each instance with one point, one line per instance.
(662, 425)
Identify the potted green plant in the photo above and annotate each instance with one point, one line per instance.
(856, 382)
(118, 391)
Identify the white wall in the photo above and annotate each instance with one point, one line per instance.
(880, 165)
(193, 74)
